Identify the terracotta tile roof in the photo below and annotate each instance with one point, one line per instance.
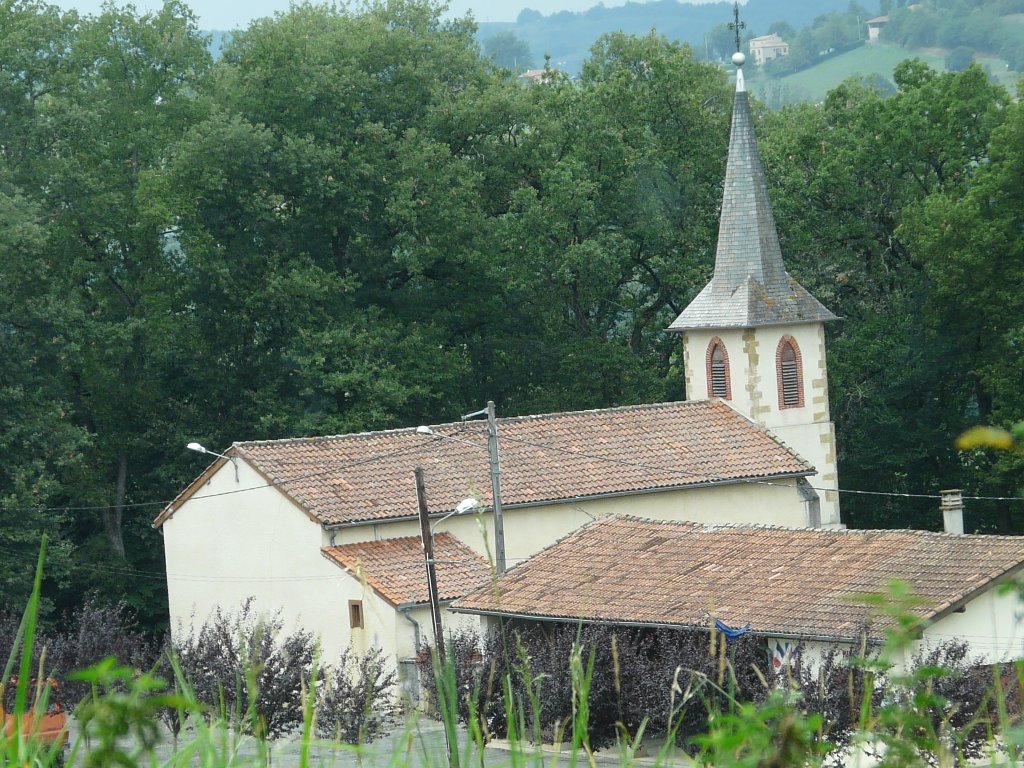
(780, 580)
(396, 570)
(369, 476)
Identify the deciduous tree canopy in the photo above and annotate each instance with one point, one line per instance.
(355, 220)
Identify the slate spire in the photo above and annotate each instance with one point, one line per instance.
(750, 286)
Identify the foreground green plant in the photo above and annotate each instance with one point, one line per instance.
(940, 711)
(21, 742)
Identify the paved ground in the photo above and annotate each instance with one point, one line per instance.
(418, 744)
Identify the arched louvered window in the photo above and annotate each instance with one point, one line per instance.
(718, 370)
(789, 367)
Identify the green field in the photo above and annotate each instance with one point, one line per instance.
(812, 84)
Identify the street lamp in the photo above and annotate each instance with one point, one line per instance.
(200, 449)
(495, 466)
(427, 536)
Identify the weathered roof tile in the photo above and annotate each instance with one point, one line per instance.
(369, 476)
(395, 568)
(750, 286)
(780, 580)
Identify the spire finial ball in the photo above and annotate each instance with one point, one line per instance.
(738, 59)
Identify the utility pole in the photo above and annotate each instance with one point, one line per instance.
(428, 554)
(440, 659)
(492, 455)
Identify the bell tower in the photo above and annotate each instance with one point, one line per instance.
(754, 336)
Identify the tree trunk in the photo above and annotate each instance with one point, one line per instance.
(112, 517)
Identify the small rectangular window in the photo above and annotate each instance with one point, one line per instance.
(355, 614)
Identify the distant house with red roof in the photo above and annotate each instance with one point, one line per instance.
(875, 27)
(540, 75)
(768, 47)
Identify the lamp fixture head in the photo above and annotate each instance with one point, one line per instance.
(466, 505)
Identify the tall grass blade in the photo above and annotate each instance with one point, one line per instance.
(29, 621)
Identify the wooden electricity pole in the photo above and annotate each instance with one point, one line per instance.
(428, 555)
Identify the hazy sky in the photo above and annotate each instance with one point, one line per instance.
(217, 14)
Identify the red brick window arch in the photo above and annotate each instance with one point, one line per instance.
(789, 369)
(717, 358)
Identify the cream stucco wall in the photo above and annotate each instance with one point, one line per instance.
(222, 547)
(755, 393)
(992, 624)
(530, 529)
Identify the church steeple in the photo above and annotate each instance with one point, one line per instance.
(750, 286)
(754, 337)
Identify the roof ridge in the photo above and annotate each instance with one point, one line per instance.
(610, 409)
(245, 444)
(804, 529)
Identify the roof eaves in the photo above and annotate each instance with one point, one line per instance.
(990, 583)
(168, 512)
(806, 636)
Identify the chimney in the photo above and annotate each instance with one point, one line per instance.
(952, 505)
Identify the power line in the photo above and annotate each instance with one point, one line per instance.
(339, 465)
(685, 473)
(276, 483)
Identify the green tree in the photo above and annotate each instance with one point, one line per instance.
(326, 225)
(108, 97)
(973, 255)
(507, 50)
(959, 59)
(849, 172)
(613, 228)
(41, 448)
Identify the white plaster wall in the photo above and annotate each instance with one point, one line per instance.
(223, 549)
(452, 622)
(530, 529)
(992, 624)
(755, 393)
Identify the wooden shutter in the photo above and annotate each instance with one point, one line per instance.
(719, 382)
(790, 374)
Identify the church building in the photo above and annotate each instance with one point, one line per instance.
(324, 530)
(754, 338)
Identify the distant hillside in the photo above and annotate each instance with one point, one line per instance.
(871, 62)
(567, 36)
(812, 84)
